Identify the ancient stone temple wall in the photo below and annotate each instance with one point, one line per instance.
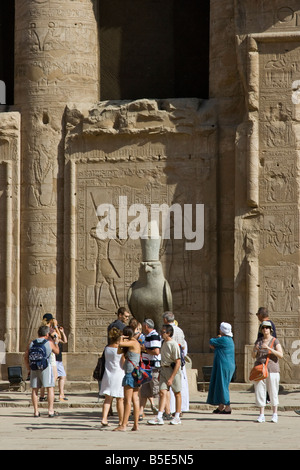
(64, 153)
(56, 58)
(10, 173)
(258, 217)
(144, 152)
(267, 228)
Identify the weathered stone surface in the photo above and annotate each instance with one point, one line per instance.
(10, 171)
(56, 56)
(237, 153)
(148, 151)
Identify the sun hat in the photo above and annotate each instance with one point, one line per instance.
(266, 323)
(225, 328)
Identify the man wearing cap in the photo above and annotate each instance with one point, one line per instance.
(150, 355)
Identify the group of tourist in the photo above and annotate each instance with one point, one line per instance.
(163, 351)
(127, 346)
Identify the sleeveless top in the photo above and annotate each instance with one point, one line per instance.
(134, 357)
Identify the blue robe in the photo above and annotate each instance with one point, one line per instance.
(222, 372)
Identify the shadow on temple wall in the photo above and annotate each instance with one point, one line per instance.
(153, 50)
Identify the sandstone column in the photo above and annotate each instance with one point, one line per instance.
(56, 64)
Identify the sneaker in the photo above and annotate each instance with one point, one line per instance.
(274, 418)
(175, 421)
(156, 421)
(261, 419)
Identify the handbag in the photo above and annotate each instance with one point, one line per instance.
(100, 367)
(141, 374)
(260, 371)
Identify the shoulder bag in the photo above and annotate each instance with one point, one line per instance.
(260, 372)
(141, 373)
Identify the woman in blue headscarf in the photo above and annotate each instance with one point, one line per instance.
(223, 369)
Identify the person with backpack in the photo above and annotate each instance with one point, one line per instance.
(37, 360)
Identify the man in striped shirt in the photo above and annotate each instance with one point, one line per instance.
(150, 355)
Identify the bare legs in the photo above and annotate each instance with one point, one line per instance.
(50, 395)
(163, 401)
(106, 407)
(131, 395)
(61, 386)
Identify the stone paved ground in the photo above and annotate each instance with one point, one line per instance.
(78, 427)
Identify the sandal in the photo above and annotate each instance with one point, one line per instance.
(52, 415)
(218, 411)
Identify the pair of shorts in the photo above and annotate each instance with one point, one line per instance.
(42, 378)
(151, 389)
(129, 381)
(165, 374)
(60, 369)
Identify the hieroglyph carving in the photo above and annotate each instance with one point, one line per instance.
(124, 151)
(278, 186)
(56, 57)
(10, 229)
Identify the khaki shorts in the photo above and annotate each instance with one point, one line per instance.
(165, 374)
(151, 389)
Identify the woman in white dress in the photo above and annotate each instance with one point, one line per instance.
(111, 384)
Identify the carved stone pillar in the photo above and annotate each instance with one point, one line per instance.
(56, 64)
(267, 212)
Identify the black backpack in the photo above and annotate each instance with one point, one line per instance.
(38, 356)
(100, 367)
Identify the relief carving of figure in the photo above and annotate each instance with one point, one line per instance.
(106, 271)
